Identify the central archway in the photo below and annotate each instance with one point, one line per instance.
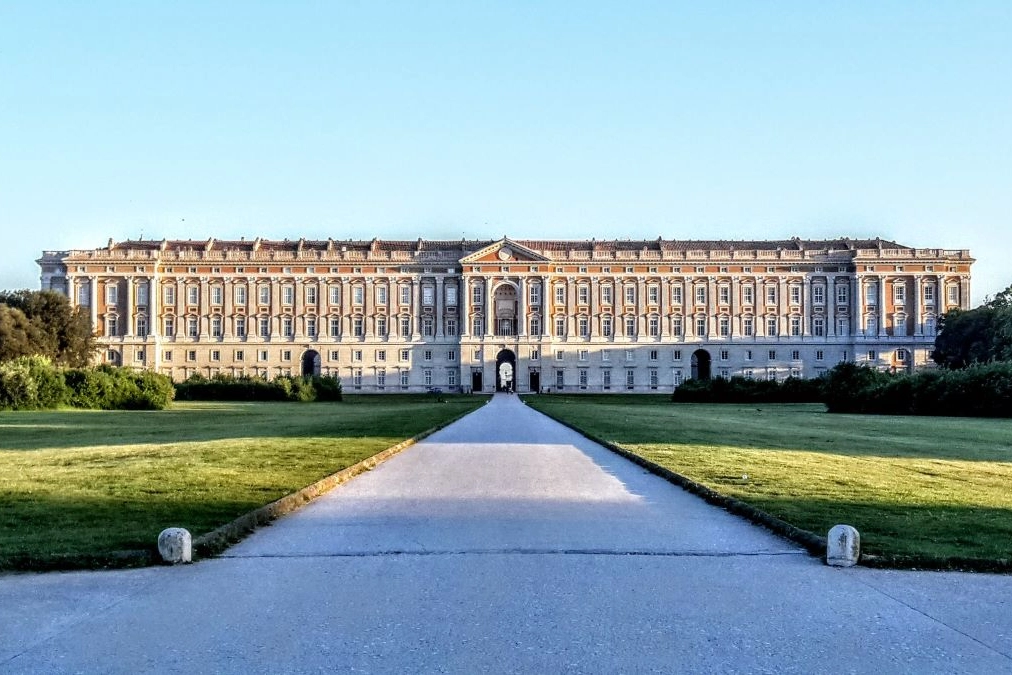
(311, 363)
(701, 365)
(506, 370)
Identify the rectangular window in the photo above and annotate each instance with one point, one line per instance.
(405, 355)
(356, 378)
(653, 355)
(217, 294)
(605, 355)
(240, 327)
(560, 376)
(451, 377)
(820, 355)
(191, 355)
(676, 326)
(215, 355)
(335, 294)
(899, 293)
(559, 354)
(842, 294)
(583, 378)
(427, 326)
(216, 326)
(654, 379)
(653, 293)
(871, 293)
(582, 355)
(240, 295)
(451, 296)
(676, 294)
(451, 328)
(630, 295)
(142, 326)
(535, 295)
(427, 355)
(677, 377)
(700, 295)
(953, 294)
(478, 326)
(334, 355)
(169, 294)
(725, 354)
(583, 294)
(262, 355)
(630, 379)
(358, 327)
(381, 295)
(724, 324)
(725, 295)
(381, 326)
(606, 379)
(560, 326)
(747, 295)
(630, 355)
(771, 295)
(265, 294)
(818, 326)
(169, 326)
(239, 355)
(111, 326)
(535, 326)
(356, 355)
(191, 326)
(265, 327)
(427, 375)
(795, 294)
(334, 325)
(381, 355)
(560, 295)
(701, 327)
(451, 355)
(357, 294)
(405, 294)
(404, 379)
(584, 324)
(676, 354)
(311, 297)
(286, 326)
(606, 297)
(381, 378)
(654, 326)
(819, 295)
(167, 355)
(142, 295)
(795, 355)
(795, 326)
(748, 354)
(405, 327)
(535, 354)
(929, 294)
(288, 295)
(476, 293)
(772, 355)
(311, 327)
(748, 326)
(427, 296)
(606, 326)
(771, 326)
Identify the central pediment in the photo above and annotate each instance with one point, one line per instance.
(504, 251)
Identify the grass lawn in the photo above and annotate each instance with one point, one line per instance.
(80, 483)
(921, 490)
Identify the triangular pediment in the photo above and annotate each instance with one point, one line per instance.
(504, 251)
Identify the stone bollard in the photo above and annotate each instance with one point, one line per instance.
(843, 546)
(175, 545)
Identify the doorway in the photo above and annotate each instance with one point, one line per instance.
(505, 370)
(311, 363)
(476, 380)
(534, 379)
(701, 365)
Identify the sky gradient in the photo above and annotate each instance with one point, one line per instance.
(479, 119)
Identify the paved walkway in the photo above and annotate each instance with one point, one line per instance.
(507, 543)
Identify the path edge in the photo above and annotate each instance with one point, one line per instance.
(811, 542)
(217, 540)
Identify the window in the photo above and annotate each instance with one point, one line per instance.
(748, 354)
(335, 294)
(216, 295)
(239, 355)
(428, 295)
(288, 295)
(820, 355)
(427, 355)
(583, 378)
(559, 354)
(451, 327)
(700, 294)
(653, 293)
(311, 327)
(535, 294)
(818, 326)
(630, 294)
(381, 326)
(451, 355)
(952, 292)
(725, 354)
(560, 326)
(795, 294)
(676, 294)
(795, 355)
(451, 296)
(357, 327)
(676, 326)
(535, 325)
(262, 355)
(630, 379)
(240, 327)
(111, 326)
(169, 326)
(748, 295)
(334, 326)
(404, 379)
(560, 295)
(700, 327)
(427, 326)
(819, 295)
(676, 355)
(583, 294)
(630, 355)
(191, 326)
(311, 295)
(654, 326)
(356, 378)
(871, 355)
(843, 326)
(842, 294)
(606, 326)
(451, 377)
(478, 326)
(560, 379)
(899, 293)
(653, 354)
(167, 355)
(795, 326)
(381, 355)
(240, 295)
(142, 326)
(771, 295)
(535, 354)
(169, 295)
(405, 355)
(111, 294)
(871, 293)
(476, 294)
(356, 355)
(724, 326)
(584, 326)
(929, 325)
(871, 325)
(265, 327)
(427, 376)
(901, 356)
(630, 326)
(771, 326)
(748, 326)
(265, 295)
(191, 355)
(725, 294)
(606, 297)
(929, 294)
(286, 326)
(215, 355)
(605, 355)
(606, 379)
(582, 355)
(142, 295)
(334, 355)
(772, 355)
(216, 326)
(381, 295)
(381, 377)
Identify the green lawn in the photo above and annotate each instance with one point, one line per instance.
(922, 491)
(77, 483)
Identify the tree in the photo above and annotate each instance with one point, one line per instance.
(18, 335)
(980, 335)
(62, 333)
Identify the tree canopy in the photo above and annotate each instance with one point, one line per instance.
(44, 323)
(979, 335)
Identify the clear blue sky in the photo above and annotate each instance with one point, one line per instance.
(533, 119)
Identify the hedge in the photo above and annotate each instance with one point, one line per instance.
(223, 387)
(745, 390)
(34, 383)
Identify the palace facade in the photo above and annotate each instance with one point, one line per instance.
(594, 316)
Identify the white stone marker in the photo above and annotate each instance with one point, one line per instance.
(175, 545)
(843, 546)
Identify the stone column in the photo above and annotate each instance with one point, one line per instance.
(204, 310)
(735, 306)
(964, 292)
(783, 308)
(465, 318)
(641, 308)
(227, 319)
(806, 307)
(93, 290)
(522, 308)
(275, 308)
(416, 308)
(665, 307)
(128, 311)
(570, 307)
(712, 307)
(181, 306)
(831, 306)
(369, 308)
(595, 307)
(857, 304)
(299, 308)
(489, 308)
(881, 306)
(345, 308)
(439, 307)
(915, 306)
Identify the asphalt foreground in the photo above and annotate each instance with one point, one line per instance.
(507, 543)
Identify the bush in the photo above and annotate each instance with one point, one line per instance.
(224, 387)
(34, 383)
(745, 390)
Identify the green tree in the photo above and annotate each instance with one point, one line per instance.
(18, 335)
(63, 333)
(980, 335)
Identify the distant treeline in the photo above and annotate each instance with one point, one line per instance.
(35, 383)
(982, 390)
(223, 387)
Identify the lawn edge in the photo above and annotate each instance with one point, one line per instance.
(217, 540)
(811, 542)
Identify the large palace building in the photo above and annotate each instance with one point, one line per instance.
(528, 315)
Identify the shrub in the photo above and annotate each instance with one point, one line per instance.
(224, 387)
(745, 390)
(110, 388)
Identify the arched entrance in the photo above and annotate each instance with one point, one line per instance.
(505, 310)
(311, 363)
(701, 365)
(506, 371)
